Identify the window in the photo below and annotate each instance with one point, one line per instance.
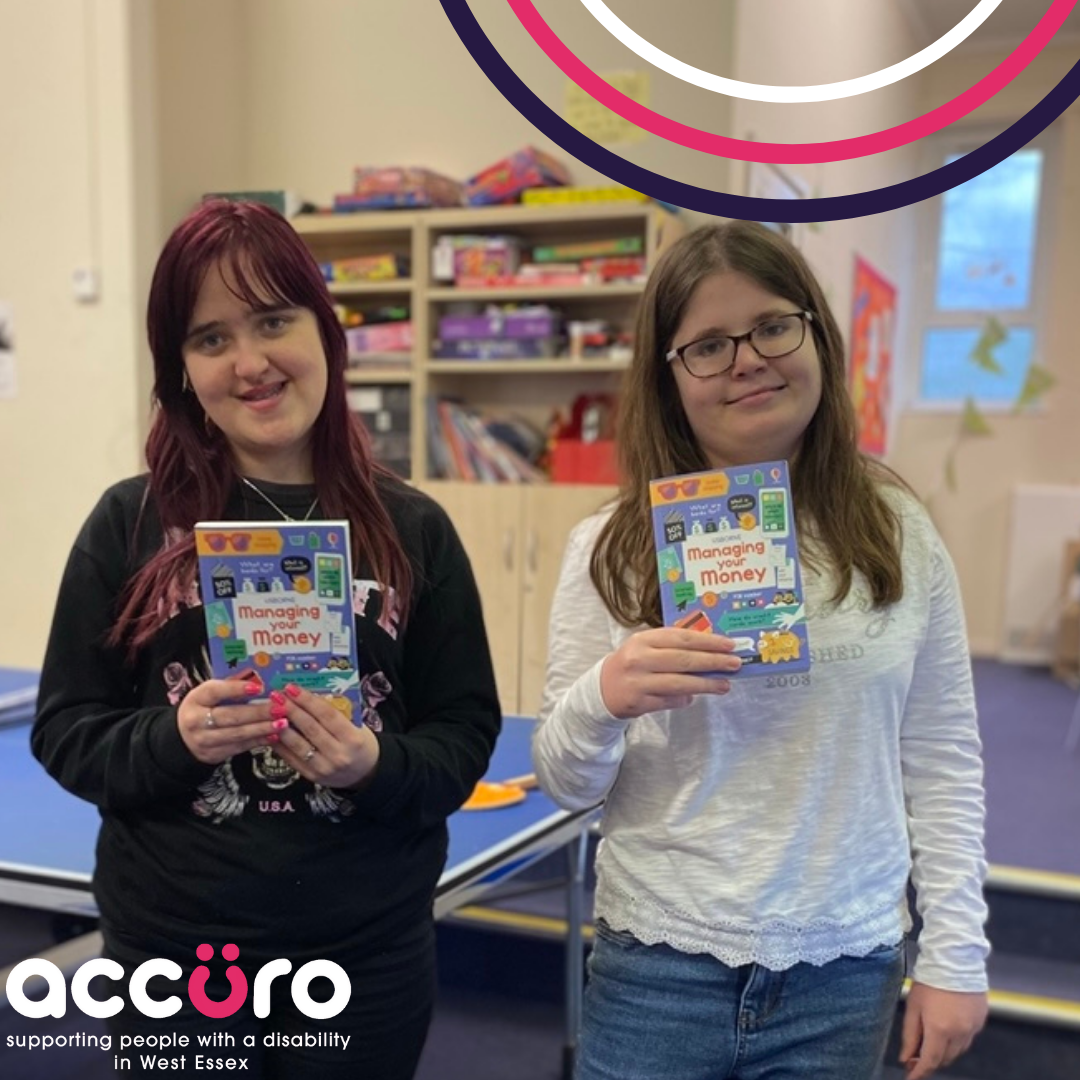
(981, 281)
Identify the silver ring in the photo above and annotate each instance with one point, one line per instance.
(209, 721)
(310, 754)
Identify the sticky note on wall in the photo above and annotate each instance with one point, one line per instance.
(597, 121)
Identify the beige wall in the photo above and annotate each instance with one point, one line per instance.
(830, 41)
(68, 199)
(278, 96)
(1040, 447)
(201, 58)
(116, 114)
(391, 84)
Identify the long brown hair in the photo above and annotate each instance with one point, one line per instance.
(191, 468)
(844, 520)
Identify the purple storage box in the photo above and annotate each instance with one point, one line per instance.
(496, 349)
(510, 325)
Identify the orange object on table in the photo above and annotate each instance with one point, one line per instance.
(492, 795)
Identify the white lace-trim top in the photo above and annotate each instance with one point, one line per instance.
(779, 823)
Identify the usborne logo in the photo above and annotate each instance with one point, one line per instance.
(725, 205)
(55, 1001)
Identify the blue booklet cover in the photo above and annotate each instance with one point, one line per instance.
(277, 596)
(728, 562)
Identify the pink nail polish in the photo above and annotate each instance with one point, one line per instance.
(251, 688)
(292, 690)
(278, 711)
(273, 738)
(277, 697)
(281, 724)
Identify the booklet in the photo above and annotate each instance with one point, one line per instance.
(277, 596)
(728, 562)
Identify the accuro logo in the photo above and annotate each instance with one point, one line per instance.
(55, 1001)
(722, 204)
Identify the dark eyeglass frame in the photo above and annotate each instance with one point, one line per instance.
(805, 317)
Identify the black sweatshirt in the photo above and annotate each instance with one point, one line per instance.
(248, 851)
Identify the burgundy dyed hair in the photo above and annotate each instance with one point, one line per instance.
(191, 468)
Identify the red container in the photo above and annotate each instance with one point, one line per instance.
(577, 462)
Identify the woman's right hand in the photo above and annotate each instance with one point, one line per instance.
(214, 726)
(665, 668)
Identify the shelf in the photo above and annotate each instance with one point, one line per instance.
(363, 376)
(370, 288)
(523, 367)
(515, 216)
(467, 217)
(539, 292)
(378, 221)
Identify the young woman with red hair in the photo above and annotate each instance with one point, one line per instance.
(281, 827)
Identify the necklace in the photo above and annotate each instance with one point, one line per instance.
(266, 498)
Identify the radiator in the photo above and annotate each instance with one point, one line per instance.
(1042, 518)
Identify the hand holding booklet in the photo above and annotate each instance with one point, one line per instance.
(728, 562)
(279, 609)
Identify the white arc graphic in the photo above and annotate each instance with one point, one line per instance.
(789, 94)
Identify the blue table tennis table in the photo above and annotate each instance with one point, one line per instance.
(47, 836)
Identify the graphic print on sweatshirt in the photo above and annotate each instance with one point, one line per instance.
(380, 606)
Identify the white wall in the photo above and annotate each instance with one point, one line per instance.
(68, 198)
(1040, 447)
(392, 84)
(115, 115)
(830, 41)
(200, 56)
(284, 95)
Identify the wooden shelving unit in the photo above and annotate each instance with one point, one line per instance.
(532, 388)
(515, 533)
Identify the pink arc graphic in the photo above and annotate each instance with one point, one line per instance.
(791, 153)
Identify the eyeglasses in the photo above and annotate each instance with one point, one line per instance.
(771, 339)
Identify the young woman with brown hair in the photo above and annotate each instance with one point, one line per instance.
(280, 828)
(758, 838)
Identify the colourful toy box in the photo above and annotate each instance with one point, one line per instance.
(457, 256)
(568, 195)
(361, 268)
(391, 188)
(380, 338)
(500, 324)
(504, 181)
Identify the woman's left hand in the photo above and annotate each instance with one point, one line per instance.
(321, 742)
(939, 1025)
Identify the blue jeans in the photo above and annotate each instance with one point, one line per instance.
(654, 1013)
